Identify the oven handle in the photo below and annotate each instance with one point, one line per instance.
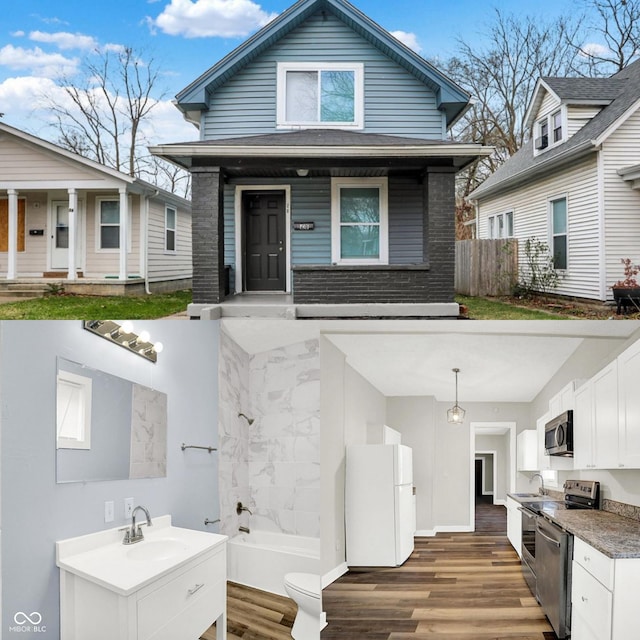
(547, 538)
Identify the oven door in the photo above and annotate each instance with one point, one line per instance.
(529, 549)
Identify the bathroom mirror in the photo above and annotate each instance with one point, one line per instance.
(107, 427)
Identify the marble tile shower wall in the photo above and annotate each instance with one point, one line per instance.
(233, 434)
(284, 445)
(272, 466)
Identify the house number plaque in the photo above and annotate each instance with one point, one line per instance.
(304, 226)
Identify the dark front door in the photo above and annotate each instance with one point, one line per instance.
(264, 240)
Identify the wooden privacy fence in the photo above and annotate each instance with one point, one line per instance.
(486, 267)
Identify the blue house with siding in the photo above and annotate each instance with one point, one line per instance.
(323, 169)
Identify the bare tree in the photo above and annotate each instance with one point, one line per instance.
(170, 176)
(106, 107)
(501, 76)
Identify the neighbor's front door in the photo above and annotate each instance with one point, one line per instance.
(264, 244)
(60, 235)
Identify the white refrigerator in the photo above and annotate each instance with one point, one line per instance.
(379, 505)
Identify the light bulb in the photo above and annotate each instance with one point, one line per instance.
(158, 347)
(144, 336)
(127, 326)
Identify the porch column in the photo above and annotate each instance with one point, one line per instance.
(207, 234)
(73, 223)
(439, 231)
(124, 233)
(12, 252)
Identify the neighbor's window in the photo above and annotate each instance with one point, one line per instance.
(549, 131)
(501, 225)
(359, 221)
(109, 220)
(329, 95)
(170, 218)
(556, 124)
(559, 233)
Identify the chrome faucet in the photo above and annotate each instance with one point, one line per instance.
(132, 534)
(240, 509)
(542, 489)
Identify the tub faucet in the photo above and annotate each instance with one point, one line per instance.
(244, 529)
(542, 489)
(132, 534)
(240, 509)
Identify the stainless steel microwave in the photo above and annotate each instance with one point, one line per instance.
(558, 435)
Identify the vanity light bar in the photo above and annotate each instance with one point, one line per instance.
(123, 336)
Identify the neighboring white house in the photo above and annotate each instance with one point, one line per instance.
(69, 220)
(575, 184)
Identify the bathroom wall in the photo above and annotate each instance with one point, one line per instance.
(274, 464)
(35, 510)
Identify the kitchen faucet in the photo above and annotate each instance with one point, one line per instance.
(132, 534)
(542, 489)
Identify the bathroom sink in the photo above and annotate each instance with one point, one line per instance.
(158, 549)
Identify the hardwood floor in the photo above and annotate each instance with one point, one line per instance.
(465, 586)
(256, 615)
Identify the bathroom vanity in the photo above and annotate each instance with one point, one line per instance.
(170, 585)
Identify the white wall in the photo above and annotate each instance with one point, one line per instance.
(35, 510)
(499, 444)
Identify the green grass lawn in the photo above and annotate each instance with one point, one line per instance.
(96, 307)
(484, 309)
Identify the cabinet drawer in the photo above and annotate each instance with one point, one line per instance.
(188, 593)
(596, 563)
(591, 603)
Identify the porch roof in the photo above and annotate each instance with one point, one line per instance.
(321, 149)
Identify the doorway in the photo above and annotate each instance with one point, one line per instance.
(264, 241)
(59, 236)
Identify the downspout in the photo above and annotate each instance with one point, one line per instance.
(145, 248)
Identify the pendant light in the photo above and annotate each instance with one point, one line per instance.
(455, 415)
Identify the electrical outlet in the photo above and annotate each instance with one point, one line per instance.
(128, 507)
(109, 511)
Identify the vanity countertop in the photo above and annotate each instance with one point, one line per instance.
(103, 559)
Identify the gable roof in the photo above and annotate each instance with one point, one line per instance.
(624, 86)
(138, 185)
(452, 99)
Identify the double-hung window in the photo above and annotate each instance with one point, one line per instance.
(501, 225)
(559, 244)
(549, 131)
(359, 221)
(316, 95)
(108, 224)
(170, 222)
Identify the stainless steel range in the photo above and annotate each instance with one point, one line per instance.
(547, 550)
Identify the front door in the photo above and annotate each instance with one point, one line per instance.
(265, 250)
(60, 235)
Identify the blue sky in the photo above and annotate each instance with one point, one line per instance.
(39, 38)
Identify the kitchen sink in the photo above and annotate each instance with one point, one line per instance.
(526, 495)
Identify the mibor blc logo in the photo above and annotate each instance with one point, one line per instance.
(28, 623)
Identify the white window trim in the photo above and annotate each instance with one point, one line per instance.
(174, 229)
(492, 222)
(550, 201)
(548, 119)
(84, 385)
(358, 98)
(98, 225)
(383, 186)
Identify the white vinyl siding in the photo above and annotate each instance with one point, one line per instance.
(395, 101)
(162, 265)
(549, 103)
(621, 202)
(530, 205)
(577, 117)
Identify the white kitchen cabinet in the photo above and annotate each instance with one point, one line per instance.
(629, 407)
(544, 460)
(527, 450)
(595, 424)
(514, 525)
(603, 595)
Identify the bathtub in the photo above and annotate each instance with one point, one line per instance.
(261, 559)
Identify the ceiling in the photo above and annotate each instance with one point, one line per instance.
(499, 361)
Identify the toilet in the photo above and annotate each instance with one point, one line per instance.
(304, 590)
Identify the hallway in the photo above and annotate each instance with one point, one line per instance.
(465, 586)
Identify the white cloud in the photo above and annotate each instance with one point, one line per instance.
(65, 40)
(595, 49)
(209, 18)
(36, 61)
(21, 101)
(409, 39)
(18, 34)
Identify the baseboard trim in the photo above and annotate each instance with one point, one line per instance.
(334, 574)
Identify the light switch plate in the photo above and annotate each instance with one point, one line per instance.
(128, 507)
(109, 511)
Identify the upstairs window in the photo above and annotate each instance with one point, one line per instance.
(323, 96)
(549, 131)
(556, 123)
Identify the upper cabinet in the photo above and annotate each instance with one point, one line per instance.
(527, 450)
(629, 407)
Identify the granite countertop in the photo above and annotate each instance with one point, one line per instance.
(613, 535)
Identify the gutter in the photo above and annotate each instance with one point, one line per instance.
(576, 153)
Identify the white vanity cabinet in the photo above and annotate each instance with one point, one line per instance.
(165, 590)
(604, 595)
(514, 525)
